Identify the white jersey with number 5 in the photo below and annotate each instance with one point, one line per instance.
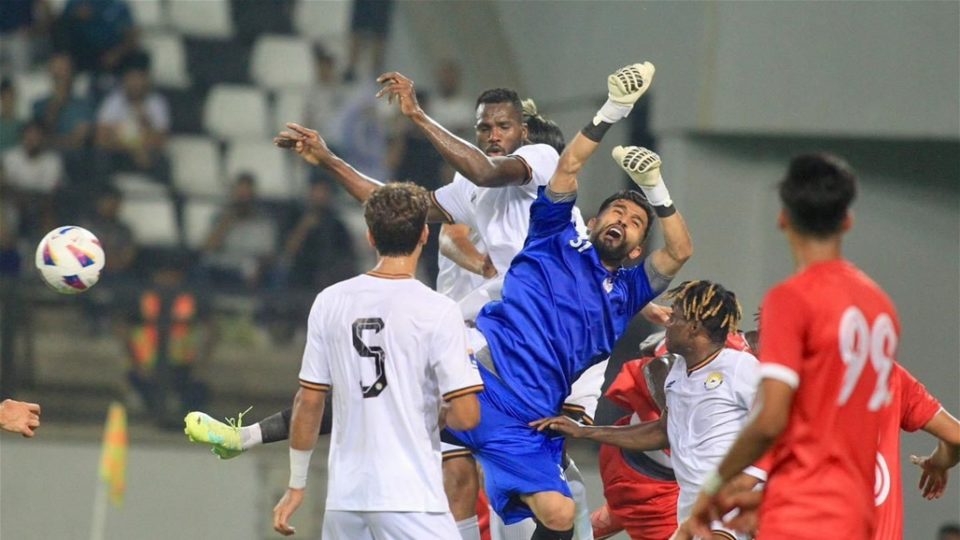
(389, 350)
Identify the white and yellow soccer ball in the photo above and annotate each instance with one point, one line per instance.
(70, 259)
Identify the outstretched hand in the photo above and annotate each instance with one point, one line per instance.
(560, 424)
(395, 84)
(19, 417)
(306, 142)
(933, 480)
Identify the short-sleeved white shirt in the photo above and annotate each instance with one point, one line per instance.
(389, 350)
(39, 174)
(117, 110)
(706, 410)
(501, 215)
(455, 281)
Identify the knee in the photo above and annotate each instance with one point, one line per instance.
(460, 483)
(557, 516)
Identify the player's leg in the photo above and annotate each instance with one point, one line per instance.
(460, 483)
(605, 524)
(340, 524)
(228, 440)
(409, 526)
(554, 513)
(583, 529)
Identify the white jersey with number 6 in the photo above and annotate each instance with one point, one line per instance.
(389, 350)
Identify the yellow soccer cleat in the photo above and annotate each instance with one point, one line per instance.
(224, 439)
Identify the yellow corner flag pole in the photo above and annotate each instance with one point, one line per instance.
(113, 468)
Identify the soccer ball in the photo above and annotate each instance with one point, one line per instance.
(70, 259)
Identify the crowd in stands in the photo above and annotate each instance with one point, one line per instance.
(99, 128)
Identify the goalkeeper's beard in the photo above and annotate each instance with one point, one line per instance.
(610, 251)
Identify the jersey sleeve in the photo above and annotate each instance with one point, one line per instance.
(917, 406)
(454, 200)
(456, 371)
(549, 216)
(541, 162)
(315, 366)
(782, 329)
(746, 380)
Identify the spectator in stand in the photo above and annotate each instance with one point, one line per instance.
(325, 95)
(99, 34)
(22, 22)
(10, 125)
(33, 174)
(167, 329)
(114, 235)
(240, 248)
(369, 27)
(66, 117)
(449, 106)
(318, 250)
(949, 531)
(132, 125)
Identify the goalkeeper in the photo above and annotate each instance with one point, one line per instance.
(567, 297)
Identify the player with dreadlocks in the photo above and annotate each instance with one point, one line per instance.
(709, 391)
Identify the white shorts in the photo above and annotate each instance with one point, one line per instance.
(342, 525)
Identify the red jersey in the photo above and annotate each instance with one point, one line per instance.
(911, 407)
(830, 333)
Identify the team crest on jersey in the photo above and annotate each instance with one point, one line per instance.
(608, 285)
(714, 380)
(669, 384)
(473, 358)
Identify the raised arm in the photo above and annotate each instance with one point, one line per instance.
(643, 436)
(467, 159)
(624, 87)
(310, 146)
(455, 245)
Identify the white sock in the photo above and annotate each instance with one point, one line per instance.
(250, 436)
(582, 528)
(469, 528)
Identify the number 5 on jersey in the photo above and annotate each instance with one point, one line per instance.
(376, 353)
(858, 342)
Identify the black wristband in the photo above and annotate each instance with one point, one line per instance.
(665, 211)
(595, 132)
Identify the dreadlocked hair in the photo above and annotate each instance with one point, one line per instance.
(709, 304)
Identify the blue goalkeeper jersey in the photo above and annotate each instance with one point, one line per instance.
(560, 313)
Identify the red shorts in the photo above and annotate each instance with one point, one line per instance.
(645, 506)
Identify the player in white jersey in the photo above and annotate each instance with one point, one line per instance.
(393, 353)
(708, 394)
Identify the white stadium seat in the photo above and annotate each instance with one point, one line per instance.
(235, 111)
(201, 18)
(196, 164)
(136, 185)
(198, 218)
(322, 20)
(268, 165)
(289, 107)
(169, 60)
(281, 62)
(30, 87)
(153, 221)
(148, 13)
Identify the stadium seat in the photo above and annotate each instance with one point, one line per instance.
(149, 13)
(196, 164)
(326, 21)
(198, 217)
(209, 18)
(152, 219)
(136, 185)
(268, 165)
(234, 111)
(281, 62)
(30, 86)
(288, 107)
(169, 60)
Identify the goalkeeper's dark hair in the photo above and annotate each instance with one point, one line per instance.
(501, 95)
(817, 193)
(710, 305)
(636, 198)
(396, 214)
